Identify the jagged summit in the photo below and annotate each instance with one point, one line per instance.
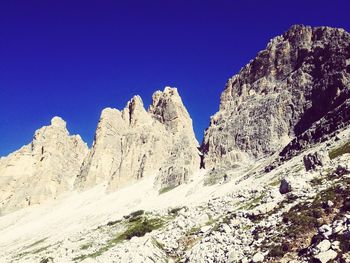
(43, 169)
(58, 122)
(275, 189)
(294, 82)
(135, 143)
(168, 108)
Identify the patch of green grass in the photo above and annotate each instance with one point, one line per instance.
(252, 203)
(137, 228)
(304, 218)
(85, 246)
(194, 230)
(167, 189)
(275, 183)
(245, 227)
(137, 213)
(112, 223)
(215, 176)
(140, 228)
(339, 151)
(158, 244)
(301, 218)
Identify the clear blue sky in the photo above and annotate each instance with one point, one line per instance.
(74, 58)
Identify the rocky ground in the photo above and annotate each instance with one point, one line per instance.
(297, 212)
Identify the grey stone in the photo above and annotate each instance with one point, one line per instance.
(268, 103)
(285, 186)
(312, 160)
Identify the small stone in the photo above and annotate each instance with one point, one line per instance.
(258, 257)
(204, 218)
(285, 187)
(226, 228)
(233, 256)
(325, 230)
(335, 245)
(181, 224)
(338, 229)
(324, 245)
(326, 256)
(205, 229)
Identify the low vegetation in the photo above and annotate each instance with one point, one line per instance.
(136, 226)
(215, 176)
(86, 246)
(300, 223)
(339, 151)
(253, 202)
(167, 189)
(112, 223)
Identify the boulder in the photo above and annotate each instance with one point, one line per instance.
(285, 186)
(326, 256)
(313, 160)
(258, 257)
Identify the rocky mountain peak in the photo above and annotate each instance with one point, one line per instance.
(167, 107)
(135, 112)
(43, 169)
(58, 122)
(299, 77)
(135, 143)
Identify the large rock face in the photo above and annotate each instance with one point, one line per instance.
(134, 143)
(43, 169)
(293, 84)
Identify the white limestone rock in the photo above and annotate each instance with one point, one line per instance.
(326, 256)
(324, 245)
(43, 169)
(135, 143)
(269, 101)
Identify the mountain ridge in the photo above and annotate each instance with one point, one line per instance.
(269, 183)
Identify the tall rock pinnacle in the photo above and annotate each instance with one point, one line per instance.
(43, 169)
(300, 77)
(134, 143)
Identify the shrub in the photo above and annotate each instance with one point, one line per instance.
(167, 189)
(140, 229)
(111, 223)
(137, 213)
